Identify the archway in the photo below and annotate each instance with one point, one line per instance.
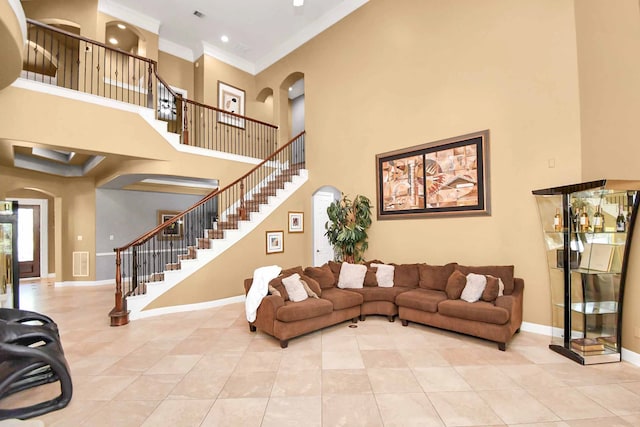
(291, 107)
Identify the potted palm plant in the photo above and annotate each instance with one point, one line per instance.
(347, 227)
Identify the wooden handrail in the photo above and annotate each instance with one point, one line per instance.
(145, 237)
(84, 39)
(198, 104)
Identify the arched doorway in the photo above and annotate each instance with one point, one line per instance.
(321, 199)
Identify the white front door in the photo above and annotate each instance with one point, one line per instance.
(322, 250)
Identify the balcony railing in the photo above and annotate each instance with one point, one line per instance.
(147, 258)
(67, 60)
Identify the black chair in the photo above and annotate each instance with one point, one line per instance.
(30, 356)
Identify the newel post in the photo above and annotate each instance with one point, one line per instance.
(119, 315)
(242, 211)
(185, 124)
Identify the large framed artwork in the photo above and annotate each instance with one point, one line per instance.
(231, 100)
(442, 178)
(174, 231)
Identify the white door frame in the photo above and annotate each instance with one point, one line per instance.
(323, 193)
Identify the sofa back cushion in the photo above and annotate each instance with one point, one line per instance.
(435, 277)
(455, 284)
(335, 269)
(323, 275)
(279, 286)
(504, 272)
(406, 275)
(370, 279)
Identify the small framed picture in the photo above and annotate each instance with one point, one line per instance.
(296, 222)
(173, 231)
(275, 242)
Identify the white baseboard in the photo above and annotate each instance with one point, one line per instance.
(627, 355)
(186, 307)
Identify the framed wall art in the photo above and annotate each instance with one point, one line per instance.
(442, 178)
(296, 222)
(231, 100)
(275, 242)
(175, 230)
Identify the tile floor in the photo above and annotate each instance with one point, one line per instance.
(204, 368)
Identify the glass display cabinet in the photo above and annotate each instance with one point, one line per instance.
(587, 230)
(9, 270)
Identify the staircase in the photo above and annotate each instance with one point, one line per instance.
(165, 256)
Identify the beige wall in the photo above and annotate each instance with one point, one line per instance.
(12, 42)
(176, 72)
(74, 216)
(224, 277)
(81, 12)
(608, 39)
(401, 73)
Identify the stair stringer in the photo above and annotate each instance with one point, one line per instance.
(137, 303)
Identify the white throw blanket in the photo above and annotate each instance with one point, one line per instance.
(259, 288)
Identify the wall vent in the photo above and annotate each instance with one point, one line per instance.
(80, 264)
(198, 14)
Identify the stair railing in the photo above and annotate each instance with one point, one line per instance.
(155, 254)
(61, 58)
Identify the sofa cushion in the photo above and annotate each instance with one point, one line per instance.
(478, 311)
(407, 275)
(312, 284)
(278, 286)
(455, 284)
(351, 275)
(435, 276)
(274, 291)
(370, 277)
(335, 269)
(307, 309)
(292, 270)
(421, 299)
(492, 289)
(323, 275)
(504, 272)
(342, 299)
(380, 294)
(384, 275)
(474, 287)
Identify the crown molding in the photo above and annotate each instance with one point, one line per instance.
(229, 58)
(176, 49)
(309, 32)
(129, 15)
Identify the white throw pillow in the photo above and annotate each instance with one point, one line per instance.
(294, 288)
(474, 288)
(384, 275)
(351, 276)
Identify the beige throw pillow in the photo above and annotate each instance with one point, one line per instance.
(294, 288)
(384, 275)
(308, 290)
(474, 288)
(351, 276)
(274, 291)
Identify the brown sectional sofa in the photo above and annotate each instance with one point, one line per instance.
(421, 293)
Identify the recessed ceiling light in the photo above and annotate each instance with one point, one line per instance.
(113, 40)
(122, 26)
(290, 88)
(298, 3)
(224, 39)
